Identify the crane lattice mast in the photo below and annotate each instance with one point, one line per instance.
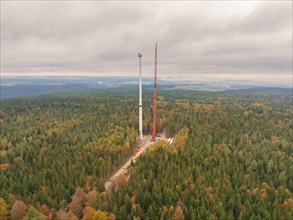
(155, 97)
(140, 99)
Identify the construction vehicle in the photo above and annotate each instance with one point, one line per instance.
(137, 149)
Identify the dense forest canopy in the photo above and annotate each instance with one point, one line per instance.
(231, 157)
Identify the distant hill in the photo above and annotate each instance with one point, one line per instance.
(32, 89)
(31, 85)
(262, 90)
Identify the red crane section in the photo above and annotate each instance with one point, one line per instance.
(155, 97)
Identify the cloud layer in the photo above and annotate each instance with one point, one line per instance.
(238, 40)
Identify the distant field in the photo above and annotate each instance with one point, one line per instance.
(198, 88)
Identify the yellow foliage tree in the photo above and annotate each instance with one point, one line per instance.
(3, 209)
(5, 144)
(100, 215)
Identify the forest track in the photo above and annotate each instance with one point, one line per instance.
(146, 144)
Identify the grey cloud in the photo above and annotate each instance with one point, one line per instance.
(267, 18)
(104, 37)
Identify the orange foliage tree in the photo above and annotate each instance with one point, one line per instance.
(18, 210)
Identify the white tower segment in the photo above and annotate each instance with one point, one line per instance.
(140, 98)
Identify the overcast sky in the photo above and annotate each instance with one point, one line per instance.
(196, 39)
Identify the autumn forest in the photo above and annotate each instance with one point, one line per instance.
(231, 157)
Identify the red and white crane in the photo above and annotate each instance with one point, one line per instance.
(155, 98)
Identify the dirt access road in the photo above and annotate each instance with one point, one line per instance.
(112, 180)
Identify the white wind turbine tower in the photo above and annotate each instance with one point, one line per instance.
(140, 99)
